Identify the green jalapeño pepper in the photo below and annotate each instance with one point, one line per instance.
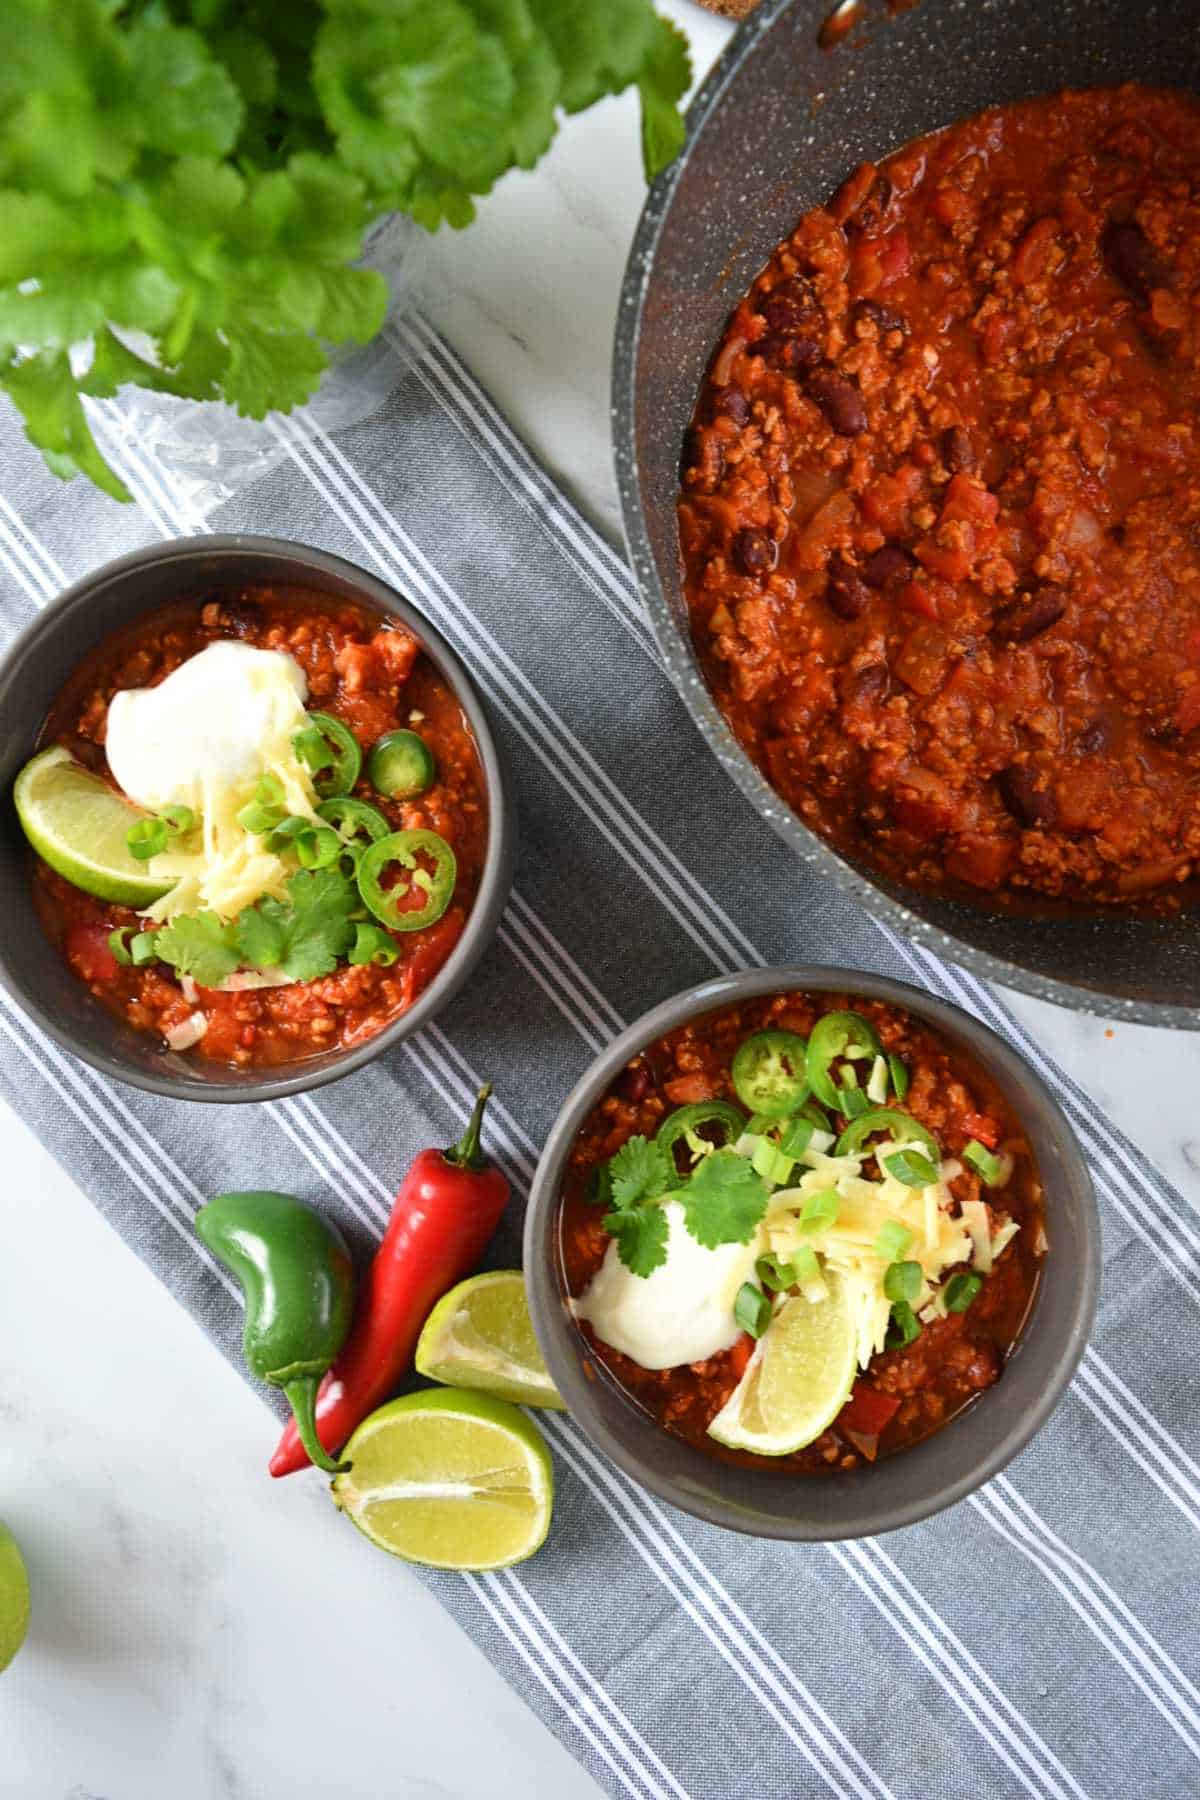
(431, 892)
(295, 1272)
(831, 1036)
(899, 1125)
(401, 766)
(719, 1119)
(329, 751)
(357, 825)
(769, 1073)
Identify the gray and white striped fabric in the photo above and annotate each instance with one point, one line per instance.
(1039, 1639)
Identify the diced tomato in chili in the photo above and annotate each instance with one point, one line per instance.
(867, 1410)
(88, 953)
(430, 954)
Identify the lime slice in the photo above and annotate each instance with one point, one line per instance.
(449, 1479)
(77, 824)
(14, 1598)
(479, 1336)
(798, 1379)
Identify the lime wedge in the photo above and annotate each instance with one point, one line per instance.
(449, 1479)
(14, 1598)
(798, 1379)
(77, 824)
(479, 1336)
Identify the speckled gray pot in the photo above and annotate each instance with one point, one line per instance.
(31, 675)
(901, 1489)
(775, 128)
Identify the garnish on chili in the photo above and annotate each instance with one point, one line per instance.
(406, 848)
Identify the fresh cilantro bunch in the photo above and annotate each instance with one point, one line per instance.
(723, 1200)
(185, 184)
(303, 937)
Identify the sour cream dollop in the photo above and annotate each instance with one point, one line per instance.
(683, 1312)
(219, 719)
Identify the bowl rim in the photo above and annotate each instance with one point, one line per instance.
(555, 1332)
(675, 650)
(496, 877)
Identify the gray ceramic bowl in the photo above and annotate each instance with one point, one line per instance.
(773, 131)
(31, 675)
(903, 1488)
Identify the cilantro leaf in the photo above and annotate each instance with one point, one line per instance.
(639, 1171)
(259, 937)
(641, 1233)
(315, 929)
(724, 1200)
(199, 945)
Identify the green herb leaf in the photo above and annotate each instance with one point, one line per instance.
(639, 1171)
(259, 939)
(724, 1200)
(199, 945)
(317, 931)
(641, 1233)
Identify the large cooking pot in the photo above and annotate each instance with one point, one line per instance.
(787, 112)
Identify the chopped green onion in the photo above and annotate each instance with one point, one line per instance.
(752, 1309)
(374, 945)
(906, 1326)
(903, 1281)
(797, 1137)
(142, 949)
(264, 812)
(877, 1082)
(177, 818)
(146, 839)
(853, 1102)
(771, 1163)
(989, 1168)
(761, 1126)
(899, 1074)
(893, 1240)
(805, 1265)
(820, 1211)
(116, 943)
(959, 1292)
(775, 1276)
(910, 1167)
(318, 849)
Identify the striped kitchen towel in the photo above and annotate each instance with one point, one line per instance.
(1038, 1639)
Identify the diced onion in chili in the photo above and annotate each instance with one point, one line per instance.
(191, 992)
(189, 1031)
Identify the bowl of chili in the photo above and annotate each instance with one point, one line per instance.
(423, 847)
(978, 1243)
(1043, 838)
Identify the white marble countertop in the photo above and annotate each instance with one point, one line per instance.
(192, 1636)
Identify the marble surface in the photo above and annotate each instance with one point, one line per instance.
(193, 1634)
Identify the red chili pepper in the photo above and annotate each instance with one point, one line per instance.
(448, 1206)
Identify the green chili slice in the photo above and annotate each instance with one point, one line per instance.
(353, 819)
(404, 848)
(118, 944)
(831, 1037)
(401, 765)
(142, 948)
(797, 1136)
(146, 839)
(689, 1122)
(899, 1125)
(769, 1073)
(329, 751)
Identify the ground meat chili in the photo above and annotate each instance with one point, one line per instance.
(954, 1359)
(361, 669)
(940, 518)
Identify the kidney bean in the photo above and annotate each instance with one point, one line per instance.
(792, 306)
(753, 551)
(1025, 800)
(733, 403)
(839, 400)
(1019, 623)
(846, 594)
(873, 210)
(869, 685)
(788, 354)
(705, 461)
(884, 318)
(1131, 258)
(889, 563)
(958, 451)
(634, 1084)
